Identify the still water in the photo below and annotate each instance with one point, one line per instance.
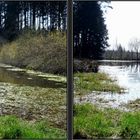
(127, 74)
(8, 74)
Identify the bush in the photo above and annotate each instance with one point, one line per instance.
(85, 65)
(35, 50)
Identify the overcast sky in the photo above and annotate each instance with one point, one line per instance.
(123, 22)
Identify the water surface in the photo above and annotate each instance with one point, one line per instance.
(127, 74)
(10, 75)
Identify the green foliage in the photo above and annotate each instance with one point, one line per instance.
(12, 127)
(50, 132)
(130, 125)
(91, 122)
(34, 50)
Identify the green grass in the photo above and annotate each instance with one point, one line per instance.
(87, 82)
(90, 122)
(12, 127)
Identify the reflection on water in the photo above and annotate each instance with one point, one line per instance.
(23, 78)
(128, 75)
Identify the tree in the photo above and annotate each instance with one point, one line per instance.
(135, 46)
(90, 33)
(10, 24)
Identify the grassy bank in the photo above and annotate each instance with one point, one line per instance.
(90, 122)
(37, 50)
(12, 127)
(87, 82)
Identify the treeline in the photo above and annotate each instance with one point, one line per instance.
(121, 54)
(18, 15)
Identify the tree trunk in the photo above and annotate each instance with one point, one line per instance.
(25, 19)
(34, 8)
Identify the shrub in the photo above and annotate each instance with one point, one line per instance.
(85, 65)
(35, 50)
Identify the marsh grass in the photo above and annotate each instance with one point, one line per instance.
(12, 127)
(90, 122)
(87, 82)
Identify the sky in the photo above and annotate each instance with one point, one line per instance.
(123, 22)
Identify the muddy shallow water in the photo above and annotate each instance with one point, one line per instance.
(127, 75)
(32, 95)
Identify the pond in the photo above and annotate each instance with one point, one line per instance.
(127, 74)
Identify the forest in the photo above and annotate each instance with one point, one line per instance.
(38, 15)
(20, 20)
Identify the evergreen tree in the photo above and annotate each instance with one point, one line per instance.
(11, 16)
(90, 33)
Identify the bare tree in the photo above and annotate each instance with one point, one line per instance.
(134, 44)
